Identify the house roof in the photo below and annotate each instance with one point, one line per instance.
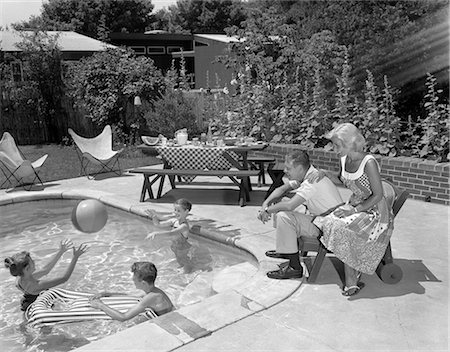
(67, 41)
(216, 37)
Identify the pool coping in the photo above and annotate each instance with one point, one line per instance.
(252, 294)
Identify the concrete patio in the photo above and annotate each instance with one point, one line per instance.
(292, 314)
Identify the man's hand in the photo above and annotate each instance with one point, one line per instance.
(263, 215)
(95, 302)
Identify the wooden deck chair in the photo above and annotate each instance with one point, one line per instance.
(14, 165)
(97, 151)
(386, 270)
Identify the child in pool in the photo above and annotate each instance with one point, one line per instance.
(189, 257)
(176, 225)
(144, 275)
(29, 280)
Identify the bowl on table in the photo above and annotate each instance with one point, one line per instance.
(230, 141)
(150, 140)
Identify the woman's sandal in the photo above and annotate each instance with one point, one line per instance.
(353, 290)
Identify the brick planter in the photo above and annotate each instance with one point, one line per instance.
(424, 179)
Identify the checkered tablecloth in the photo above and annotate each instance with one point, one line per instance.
(196, 158)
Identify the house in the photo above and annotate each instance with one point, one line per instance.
(73, 46)
(208, 71)
(159, 46)
(199, 51)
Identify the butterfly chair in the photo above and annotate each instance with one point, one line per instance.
(387, 271)
(97, 151)
(15, 167)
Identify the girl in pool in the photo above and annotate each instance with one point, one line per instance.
(178, 224)
(29, 280)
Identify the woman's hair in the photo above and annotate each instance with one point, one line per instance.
(17, 263)
(184, 203)
(145, 271)
(349, 135)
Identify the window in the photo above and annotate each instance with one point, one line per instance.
(16, 71)
(156, 50)
(171, 49)
(138, 50)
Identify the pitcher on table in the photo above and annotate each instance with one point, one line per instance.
(181, 136)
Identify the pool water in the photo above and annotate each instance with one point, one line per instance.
(39, 226)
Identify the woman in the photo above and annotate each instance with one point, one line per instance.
(359, 231)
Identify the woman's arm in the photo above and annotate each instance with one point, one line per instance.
(64, 246)
(371, 169)
(46, 284)
(376, 186)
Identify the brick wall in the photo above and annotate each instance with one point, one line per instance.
(424, 179)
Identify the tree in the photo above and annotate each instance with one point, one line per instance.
(202, 16)
(41, 59)
(83, 16)
(106, 83)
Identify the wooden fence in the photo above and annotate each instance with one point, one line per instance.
(27, 126)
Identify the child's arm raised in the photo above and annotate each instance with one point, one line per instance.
(180, 229)
(46, 284)
(64, 246)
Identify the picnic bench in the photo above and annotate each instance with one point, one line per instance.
(160, 174)
(258, 162)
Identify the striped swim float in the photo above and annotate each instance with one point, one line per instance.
(60, 306)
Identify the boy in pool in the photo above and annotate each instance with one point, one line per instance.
(29, 280)
(144, 275)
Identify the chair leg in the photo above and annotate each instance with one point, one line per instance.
(317, 264)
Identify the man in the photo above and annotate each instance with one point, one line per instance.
(317, 197)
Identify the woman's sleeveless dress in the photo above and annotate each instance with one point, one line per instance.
(359, 240)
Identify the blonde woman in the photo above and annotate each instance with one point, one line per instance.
(359, 231)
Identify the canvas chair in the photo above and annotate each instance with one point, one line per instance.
(97, 151)
(14, 165)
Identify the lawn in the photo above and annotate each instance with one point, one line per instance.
(63, 161)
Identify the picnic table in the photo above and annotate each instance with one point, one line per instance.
(188, 161)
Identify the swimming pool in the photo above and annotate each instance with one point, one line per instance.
(39, 226)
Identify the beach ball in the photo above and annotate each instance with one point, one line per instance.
(89, 216)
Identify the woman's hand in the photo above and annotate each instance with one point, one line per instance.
(151, 235)
(150, 213)
(344, 211)
(314, 177)
(65, 245)
(77, 252)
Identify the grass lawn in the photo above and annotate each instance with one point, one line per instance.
(63, 163)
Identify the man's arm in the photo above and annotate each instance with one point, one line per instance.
(286, 205)
(277, 193)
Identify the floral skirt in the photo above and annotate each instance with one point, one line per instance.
(359, 240)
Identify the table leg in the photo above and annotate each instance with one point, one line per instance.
(277, 179)
(161, 184)
(146, 187)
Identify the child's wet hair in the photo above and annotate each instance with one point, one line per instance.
(17, 263)
(184, 203)
(145, 271)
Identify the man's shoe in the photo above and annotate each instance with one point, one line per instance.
(274, 254)
(286, 272)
